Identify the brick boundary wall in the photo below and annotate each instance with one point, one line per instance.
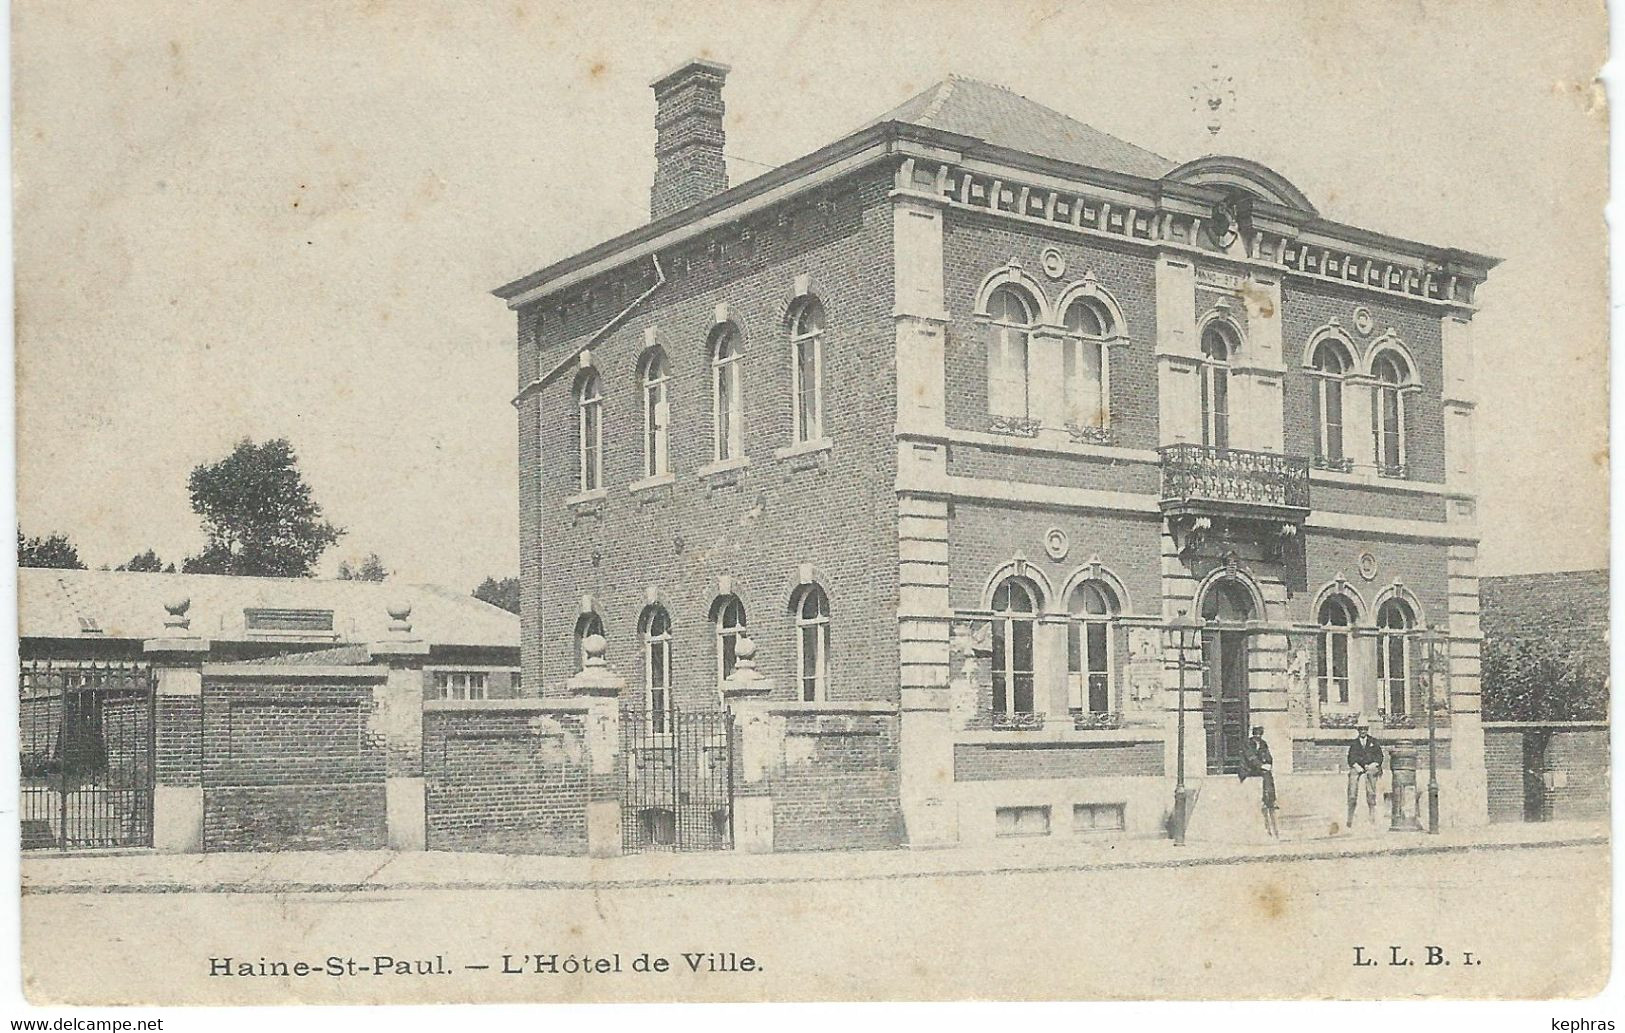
(1579, 752)
(1318, 756)
(292, 761)
(509, 776)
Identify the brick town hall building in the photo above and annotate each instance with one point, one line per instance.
(952, 417)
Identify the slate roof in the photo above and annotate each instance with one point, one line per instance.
(93, 605)
(1004, 118)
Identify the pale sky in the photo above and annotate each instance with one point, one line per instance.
(283, 218)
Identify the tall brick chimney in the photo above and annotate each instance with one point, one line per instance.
(688, 137)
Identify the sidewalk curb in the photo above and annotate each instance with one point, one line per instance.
(646, 882)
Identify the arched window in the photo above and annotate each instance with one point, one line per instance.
(656, 413)
(1085, 373)
(1228, 602)
(1218, 346)
(1388, 413)
(590, 430)
(1331, 364)
(807, 370)
(1395, 623)
(1011, 315)
(727, 399)
(587, 624)
(1332, 666)
(656, 632)
(1089, 647)
(730, 621)
(1015, 620)
(812, 643)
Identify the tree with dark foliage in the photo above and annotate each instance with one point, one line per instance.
(504, 593)
(146, 563)
(259, 518)
(371, 568)
(51, 551)
(1540, 679)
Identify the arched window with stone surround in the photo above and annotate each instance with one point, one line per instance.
(727, 393)
(1086, 373)
(1011, 313)
(811, 607)
(654, 375)
(655, 628)
(1015, 623)
(1396, 622)
(1332, 661)
(1218, 348)
(590, 430)
(1393, 375)
(1330, 364)
(1093, 608)
(729, 617)
(807, 370)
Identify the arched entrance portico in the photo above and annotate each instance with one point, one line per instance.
(1228, 605)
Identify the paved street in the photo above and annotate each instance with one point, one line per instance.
(1534, 919)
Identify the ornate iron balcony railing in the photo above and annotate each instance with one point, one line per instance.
(1198, 474)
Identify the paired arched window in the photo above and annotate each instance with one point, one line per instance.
(1218, 347)
(590, 430)
(730, 621)
(727, 397)
(1228, 602)
(807, 370)
(1395, 624)
(653, 374)
(1388, 412)
(1331, 363)
(1085, 371)
(1010, 313)
(1336, 624)
(587, 625)
(655, 628)
(812, 643)
(1015, 622)
(1092, 606)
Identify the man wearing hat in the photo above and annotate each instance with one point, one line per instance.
(1256, 759)
(1365, 764)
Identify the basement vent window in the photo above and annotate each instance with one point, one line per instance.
(1097, 817)
(288, 620)
(1022, 821)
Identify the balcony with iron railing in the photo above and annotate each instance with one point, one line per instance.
(1201, 480)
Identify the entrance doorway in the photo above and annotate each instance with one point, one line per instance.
(1225, 609)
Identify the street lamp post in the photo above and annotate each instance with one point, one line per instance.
(1433, 734)
(1181, 631)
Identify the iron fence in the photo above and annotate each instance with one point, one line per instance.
(677, 791)
(86, 737)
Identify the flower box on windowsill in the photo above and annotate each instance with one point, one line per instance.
(1091, 721)
(1395, 472)
(1344, 465)
(1015, 426)
(1017, 722)
(1339, 719)
(1091, 435)
(1398, 720)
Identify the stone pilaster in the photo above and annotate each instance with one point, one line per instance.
(1178, 352)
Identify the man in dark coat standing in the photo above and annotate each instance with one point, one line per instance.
(1256, 759)
(1365, 765)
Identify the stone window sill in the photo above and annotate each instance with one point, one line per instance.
(586, 498)
(659, 480)
(722, 466)
(804, 448)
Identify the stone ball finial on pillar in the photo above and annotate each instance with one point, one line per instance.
(746, 682)
(399, 612)
(594, 645)
(176, 607)
(595, 678)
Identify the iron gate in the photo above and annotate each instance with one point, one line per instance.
(87, 754)
(677, 793)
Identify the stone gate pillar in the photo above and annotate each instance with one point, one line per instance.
(177, 668)
(759, 743)
(600, 688)
(399, 701)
